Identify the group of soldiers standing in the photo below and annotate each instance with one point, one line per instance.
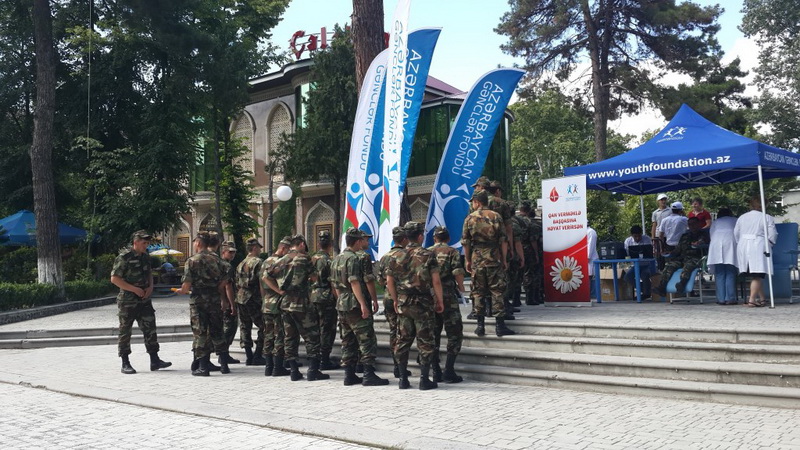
(292, 294)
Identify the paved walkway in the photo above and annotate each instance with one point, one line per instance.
(463, 416)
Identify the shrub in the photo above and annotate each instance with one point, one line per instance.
(103, 265)
(19, 266)
(18, 296)
(84, 290)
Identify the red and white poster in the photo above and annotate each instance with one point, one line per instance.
(566, 262)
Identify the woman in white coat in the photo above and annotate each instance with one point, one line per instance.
(722, 256)
(591, 250)
(750, 257)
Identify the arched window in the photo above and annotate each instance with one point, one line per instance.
(419, 211)
(320, 217)
(243, 131)
(279, 123)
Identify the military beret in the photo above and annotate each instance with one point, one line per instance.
(482, 181)
(357, 233)
(441, 230)
(286, 240)
(414, 227)
(141, 234)
(398, 232)
(481, 197)
(254, 241)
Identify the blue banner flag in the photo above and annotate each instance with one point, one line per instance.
(466, 150)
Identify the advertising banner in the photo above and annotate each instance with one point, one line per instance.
(466, 149)
(564, 226)
(393, 124)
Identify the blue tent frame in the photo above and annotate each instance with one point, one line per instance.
(690, 152)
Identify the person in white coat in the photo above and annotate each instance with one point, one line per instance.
(722, 256)
(751, 255)
(591, 250)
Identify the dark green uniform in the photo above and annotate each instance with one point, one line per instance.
(248, 301)
(687, 256)
(515, 272)
(299, 314)
(205, 273)
(324, 302)
(230, 322)
(135, 269)
(389, 312)
(273, 323)
(484, 232)
(534, 272)
(412, 271)
(450, 266)
(357, 334)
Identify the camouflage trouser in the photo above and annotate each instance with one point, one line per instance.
(515, 274)
(415, 319)
(450, 321)
(145, 316)
(305, 324)
(488, 282)
(328, 321)
(391, 319)
(273, 335)
(688, 265)
(532, 279)
(206, 317)
(230, 324)
(249, 315)
(358, 336)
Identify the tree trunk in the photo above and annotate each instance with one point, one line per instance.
(44, 198)
(367, 34)
(217, 191)
(600, 87)
(337, 214)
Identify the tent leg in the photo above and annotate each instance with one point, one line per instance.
(766, 236)
(641, 208)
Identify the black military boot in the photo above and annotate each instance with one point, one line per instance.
(359, 368)
(403, 384)
(370, 379)
(295, 374)
(397, 371)
(530, 297)
(202, 367)
(231, 360)
(450, 376)
(270, 366)
(481, 329)
(425, 383)
(313, 373)
(279, 370)
(325, 363)
(223, 363)
(127, 369)
(211, 366)
(258, 356)
(156, 363)
(516, 299)
(248, 353)
(437, 371)
(501, 329)
(195, 364)
(350, 377)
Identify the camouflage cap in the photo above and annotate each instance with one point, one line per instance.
(356, 233)
(142, 235)
(482, 182)
(229, 246)
(324, 235)
(253, 242)
(414, 227)
(481, 197)
(495, 185)
(441, 230)
(286, 240)
(398, 233)
(298, 238)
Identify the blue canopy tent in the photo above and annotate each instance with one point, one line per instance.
(690, 152)
(21, 230)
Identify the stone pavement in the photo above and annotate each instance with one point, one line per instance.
(462, 416)
(46, 419)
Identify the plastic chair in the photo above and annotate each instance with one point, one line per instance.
(676, 277)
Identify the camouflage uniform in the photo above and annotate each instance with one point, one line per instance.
(205, 272)
(324, 302)
(271, 308)
(230, 322)
(248, 301)
(484, 232)
(412, 271)
(135, 269)
(299, 315)
(450, 266)
(515, 273)
(381, 269)
(357, 334)
(685, 256)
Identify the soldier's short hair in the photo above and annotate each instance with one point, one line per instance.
(204, 238)
(252, 243)
(213, 239)
(298, 238)
(525, 207)
(441, 233)
(481, 198)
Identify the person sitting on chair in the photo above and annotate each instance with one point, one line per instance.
(686, 255)
(638, 238)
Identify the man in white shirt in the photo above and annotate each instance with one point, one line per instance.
(645, 270)
(673, 226)
(660, 213)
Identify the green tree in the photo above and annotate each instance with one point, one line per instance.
(775, 26)
(320, 149)
(617, 38)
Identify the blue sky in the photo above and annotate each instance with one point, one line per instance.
(468, 46)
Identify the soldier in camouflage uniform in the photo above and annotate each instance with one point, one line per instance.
(299, 314)
(230, 321)
(273, 323)
(227, 302)
(133, 276)
(506, 211)
(248, 299)
(355, 316)
(411, 277)
(485, 251)
(322, 296)
(381, 267)
(206, 278)
(531, 246)
(687, 255)
(451, 272)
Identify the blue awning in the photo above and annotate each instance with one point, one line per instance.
(21, 230)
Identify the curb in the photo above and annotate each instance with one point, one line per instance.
(21, 315)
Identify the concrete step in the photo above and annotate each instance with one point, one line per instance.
(79, 341)
(86, 332)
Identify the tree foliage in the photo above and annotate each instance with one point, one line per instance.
(626, 44)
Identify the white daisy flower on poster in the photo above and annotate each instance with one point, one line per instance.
(567, 274)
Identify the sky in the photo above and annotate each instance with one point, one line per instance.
(468, 46)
